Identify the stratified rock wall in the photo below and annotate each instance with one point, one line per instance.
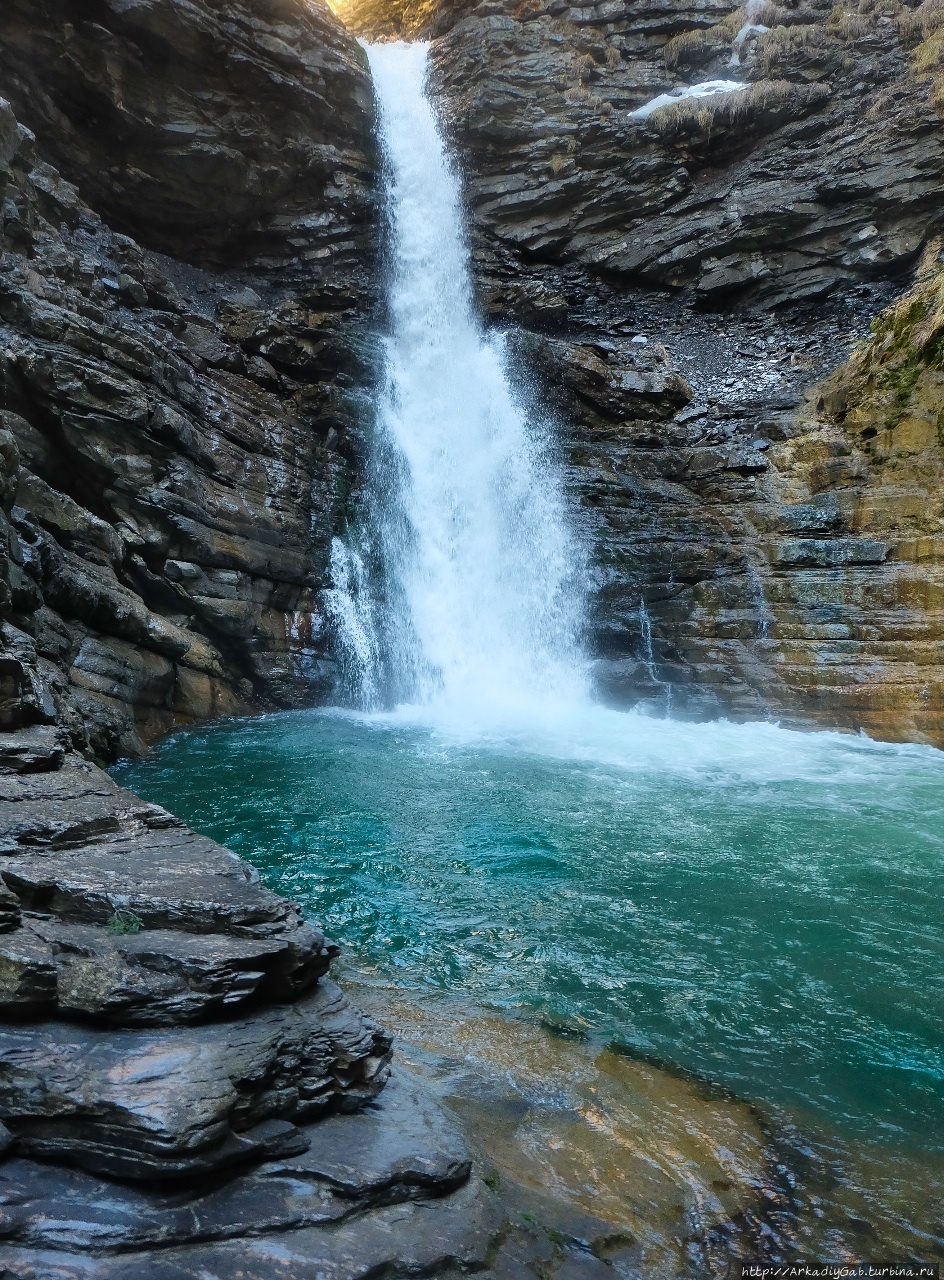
(826, 169)
(177, 441)
(679, 282)
(217, 132)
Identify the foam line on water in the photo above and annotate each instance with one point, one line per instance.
(717, 752)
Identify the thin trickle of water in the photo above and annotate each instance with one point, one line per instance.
(463, 582)
(649, 657)
(645, 630)
(749, 28)
(765, 614)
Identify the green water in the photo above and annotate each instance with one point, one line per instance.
(759, 906)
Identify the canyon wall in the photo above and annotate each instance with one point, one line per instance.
(187, 224)
(680, 282)
(187, 297)
(188, 233)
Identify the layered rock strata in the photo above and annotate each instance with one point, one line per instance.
(754, 552)
(186, 1021)
(177, 442)
(679, 280)
(188, 230)
(824, 168)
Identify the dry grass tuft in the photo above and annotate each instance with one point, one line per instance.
(882, 105)
(765, 98)
(689, 49)
(929, 55)
(777, 15)
(924, 29)
(919, 24)
(849, 26)
(732, 23)
(577, 93)
(789, 45)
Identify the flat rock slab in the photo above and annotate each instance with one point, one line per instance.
(70, 806)
(399, 1148)
(178, 1102)
(153, 978)
(78, 852)
(27, 750)
(402, 1139)
(168, 879)
(415, 1238)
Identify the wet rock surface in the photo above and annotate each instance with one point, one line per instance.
(752, 554)
(183, 1090)
(216, 132)
(121, 929)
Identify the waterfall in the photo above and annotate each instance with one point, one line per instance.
(462, 582)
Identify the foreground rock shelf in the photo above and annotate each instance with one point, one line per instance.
(183, 1090)
(116, 913)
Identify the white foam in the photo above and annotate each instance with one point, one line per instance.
(717, 752)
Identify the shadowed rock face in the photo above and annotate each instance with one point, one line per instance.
(826, 169)
(212, 131)
(177, 443)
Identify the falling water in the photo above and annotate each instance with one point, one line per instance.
(649, 656)
(461, 584)
(750, 28)
(765, 616)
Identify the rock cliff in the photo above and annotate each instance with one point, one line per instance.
(679, 279)
(188, 228)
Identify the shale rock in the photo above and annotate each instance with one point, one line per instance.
(429, 1238)
(179, 1102)
(113, 912)
(156, 977)
(177, 443)
(740, 244)
(400, 1148)
(223, 129)
(824, 169)
(386, 1188)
